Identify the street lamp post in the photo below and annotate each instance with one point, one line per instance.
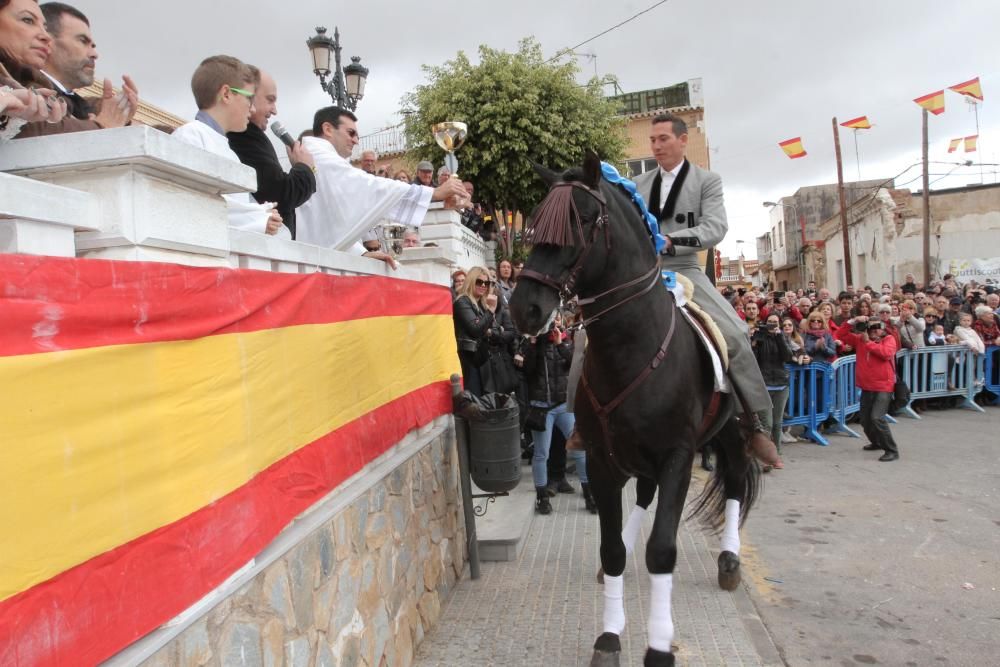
(347, 85)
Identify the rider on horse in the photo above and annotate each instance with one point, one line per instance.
(687, 201)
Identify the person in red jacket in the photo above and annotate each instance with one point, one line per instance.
(875, 374)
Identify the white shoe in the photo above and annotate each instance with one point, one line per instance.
(788, 437)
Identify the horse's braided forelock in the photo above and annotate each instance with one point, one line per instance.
(554, 217)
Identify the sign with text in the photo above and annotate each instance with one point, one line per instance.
(984, 271)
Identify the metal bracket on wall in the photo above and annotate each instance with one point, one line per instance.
(480, 510)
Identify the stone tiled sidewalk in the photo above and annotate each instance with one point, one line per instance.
(545, 608)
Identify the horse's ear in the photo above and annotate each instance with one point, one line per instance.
(591, 170)
(546, 174)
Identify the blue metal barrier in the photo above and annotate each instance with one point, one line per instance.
(846, 394)
(810, 397)
(947, 370)
(991, 370)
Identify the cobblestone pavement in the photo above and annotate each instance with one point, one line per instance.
(545, 608)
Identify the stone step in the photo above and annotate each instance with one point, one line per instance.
(503, 530)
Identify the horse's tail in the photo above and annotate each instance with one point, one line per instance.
(734, 463)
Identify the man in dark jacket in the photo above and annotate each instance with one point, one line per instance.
(772, 351)
(287, 191)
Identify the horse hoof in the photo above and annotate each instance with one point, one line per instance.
(729, 571)
(656, 658)
(607, 651)
(600, 575)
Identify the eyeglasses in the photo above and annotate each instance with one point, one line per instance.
(483, 283)
(240, 91)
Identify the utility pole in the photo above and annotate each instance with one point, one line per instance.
(848, 277)
(927, 207)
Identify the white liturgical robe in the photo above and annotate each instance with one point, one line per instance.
(350, 202)
(244, 212)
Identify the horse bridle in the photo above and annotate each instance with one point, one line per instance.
(565, 284)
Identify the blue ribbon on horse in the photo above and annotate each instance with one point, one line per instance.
(612, 176)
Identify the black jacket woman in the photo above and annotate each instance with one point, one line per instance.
(547, 360)
(475, 321)
(772, 351)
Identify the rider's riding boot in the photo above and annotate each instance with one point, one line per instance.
(760, 443)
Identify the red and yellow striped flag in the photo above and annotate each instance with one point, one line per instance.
(933, 102)
(793, 148)
(146, 458)
(970, 143)
(859, 123)
(953, 145)
(970, 88)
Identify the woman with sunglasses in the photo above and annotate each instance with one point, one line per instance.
(475, 316)
(819, 343)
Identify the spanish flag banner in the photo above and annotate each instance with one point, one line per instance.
(970, 143)
(970, 88)
(859, 123)
(162, 424)
(933, 102)
(953, 145)
(793, 148)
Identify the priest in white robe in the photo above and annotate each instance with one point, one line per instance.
(350, 202)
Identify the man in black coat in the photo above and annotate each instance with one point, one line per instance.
(287, 190)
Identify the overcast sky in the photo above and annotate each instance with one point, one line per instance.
(772, 69)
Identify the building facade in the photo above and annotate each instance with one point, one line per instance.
(885, 232)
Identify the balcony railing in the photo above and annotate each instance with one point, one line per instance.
(386, 140)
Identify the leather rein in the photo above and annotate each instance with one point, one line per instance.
(565, 286)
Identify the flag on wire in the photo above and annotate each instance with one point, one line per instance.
(793, 148)
(969, 89)
(933, 102)
(953, 145)
(970, 143)
(859, 123)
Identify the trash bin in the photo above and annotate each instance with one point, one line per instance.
(495, 443)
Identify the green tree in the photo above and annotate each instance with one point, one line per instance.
(519, 110)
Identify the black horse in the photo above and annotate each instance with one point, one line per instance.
(646, 401)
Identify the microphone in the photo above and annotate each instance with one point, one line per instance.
(280, 131)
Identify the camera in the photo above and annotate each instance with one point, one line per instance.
(874, 325)
(771, 326)
(860, 327)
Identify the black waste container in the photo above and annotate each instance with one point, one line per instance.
(495, 444)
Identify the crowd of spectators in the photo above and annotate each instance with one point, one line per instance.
(810, 324)
(495, 357)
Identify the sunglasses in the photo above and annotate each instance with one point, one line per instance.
(483, 283)
(240, 91)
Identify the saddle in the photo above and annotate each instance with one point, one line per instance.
(708, 331)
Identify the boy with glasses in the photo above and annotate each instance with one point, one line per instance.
(223, 89)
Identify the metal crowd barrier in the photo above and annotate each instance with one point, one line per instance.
(944, 370)
(846, 394)
(991, 370)
(809, 398)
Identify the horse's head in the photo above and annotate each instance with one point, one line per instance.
(571, 243)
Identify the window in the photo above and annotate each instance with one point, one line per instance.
(636, 167)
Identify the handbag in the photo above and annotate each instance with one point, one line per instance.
(536, 417)
(498, 371)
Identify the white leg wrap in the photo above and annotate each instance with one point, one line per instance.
(631, 531)
(661, 622)
(731, 530)
(614, 607)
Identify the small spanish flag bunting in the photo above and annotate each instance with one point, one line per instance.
(933, 102)
(793, 148)
(953, 145)
(969, 89)
(859, 123)
(970, 143)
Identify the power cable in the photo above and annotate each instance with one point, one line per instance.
(601, 34)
